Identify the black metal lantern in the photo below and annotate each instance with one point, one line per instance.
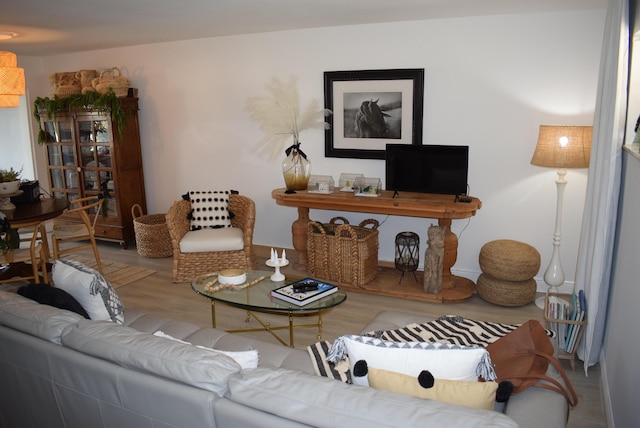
(407, 253)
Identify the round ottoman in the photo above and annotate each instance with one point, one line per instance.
(506, 293)
(509, 260)
(508, 268)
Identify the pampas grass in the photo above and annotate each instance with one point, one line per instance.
(281, 118)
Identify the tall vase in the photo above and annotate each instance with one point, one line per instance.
(296, 168)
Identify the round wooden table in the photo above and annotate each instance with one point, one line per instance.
(31, 214)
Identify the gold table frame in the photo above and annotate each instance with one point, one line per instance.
(264, 304)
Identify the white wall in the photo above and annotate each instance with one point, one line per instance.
(15, 139)
(489, 83)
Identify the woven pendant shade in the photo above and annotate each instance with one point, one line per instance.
(9, 101)
(11, 80)
(563, 146)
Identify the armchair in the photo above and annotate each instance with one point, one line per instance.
(212, 249)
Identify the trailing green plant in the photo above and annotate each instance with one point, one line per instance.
(8, 175)
(91, 101)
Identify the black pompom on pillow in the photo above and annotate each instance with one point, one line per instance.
(52, 296)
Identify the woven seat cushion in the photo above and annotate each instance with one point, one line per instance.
(506, 293)
(212, 240)
(509, 260)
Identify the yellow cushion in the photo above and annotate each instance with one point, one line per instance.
(479, 395)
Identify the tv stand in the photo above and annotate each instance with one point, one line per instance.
(422, 205)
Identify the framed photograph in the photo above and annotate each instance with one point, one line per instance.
(372, 108)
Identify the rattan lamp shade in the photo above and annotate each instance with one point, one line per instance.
(563, 146)
(12, 83)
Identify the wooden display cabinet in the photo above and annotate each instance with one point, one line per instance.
(88, 155)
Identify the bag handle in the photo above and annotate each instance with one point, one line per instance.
(556, 386)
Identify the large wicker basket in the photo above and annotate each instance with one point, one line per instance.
(152, 235)
(342, 252)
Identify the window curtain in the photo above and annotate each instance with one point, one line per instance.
(601, 205)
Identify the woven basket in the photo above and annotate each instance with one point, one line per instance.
(152, 234)
(342, 252)
(112, 78)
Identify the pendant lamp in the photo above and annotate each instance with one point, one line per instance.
(11, 80)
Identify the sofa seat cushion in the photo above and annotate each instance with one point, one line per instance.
(246, 359)
(323, 402)
(133, 349)
(29, 316)
(212, 240)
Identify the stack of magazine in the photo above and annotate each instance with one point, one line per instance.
(304, 291)
(558, 311)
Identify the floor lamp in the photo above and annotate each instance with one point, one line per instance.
(560, 147)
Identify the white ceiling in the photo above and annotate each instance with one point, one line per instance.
(51, 27)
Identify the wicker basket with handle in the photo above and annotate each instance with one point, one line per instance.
(152, 234)
(343, 252)
(112, 78)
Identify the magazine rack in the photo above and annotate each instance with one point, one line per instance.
(562, 354)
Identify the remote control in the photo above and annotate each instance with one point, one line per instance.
(301, 288)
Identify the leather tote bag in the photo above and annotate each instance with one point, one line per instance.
(523, 356)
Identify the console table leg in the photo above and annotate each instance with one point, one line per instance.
(299, 235)
(450, 253)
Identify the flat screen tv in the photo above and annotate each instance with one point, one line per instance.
(427, 168)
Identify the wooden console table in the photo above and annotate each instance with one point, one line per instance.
(441, 207)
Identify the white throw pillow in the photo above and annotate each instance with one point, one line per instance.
(246, 359)
(90, 289)
(209, 209)
(444, 361)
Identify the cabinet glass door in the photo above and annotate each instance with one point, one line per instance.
(61, 154)
(95, 144)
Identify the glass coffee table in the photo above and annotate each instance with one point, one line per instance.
(256, 298)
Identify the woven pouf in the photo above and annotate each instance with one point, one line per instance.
(509, 260)
(506, 293)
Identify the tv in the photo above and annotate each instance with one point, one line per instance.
(426, 168)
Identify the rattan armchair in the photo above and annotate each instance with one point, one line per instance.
(187, 266)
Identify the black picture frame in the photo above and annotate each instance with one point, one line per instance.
(361, 124)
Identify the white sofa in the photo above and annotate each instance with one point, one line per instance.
(58, 369)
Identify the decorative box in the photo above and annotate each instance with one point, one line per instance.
(320, 184)
(347, 181)
(368, 186)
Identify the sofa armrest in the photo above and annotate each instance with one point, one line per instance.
(177, 222)
(244, 217)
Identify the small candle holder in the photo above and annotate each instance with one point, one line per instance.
(277, 263)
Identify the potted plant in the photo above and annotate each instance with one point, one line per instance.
(9, 239)
(9, 181)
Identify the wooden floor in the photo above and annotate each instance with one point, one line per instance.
(158, 295)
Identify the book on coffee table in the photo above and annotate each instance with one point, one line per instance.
(304, 291)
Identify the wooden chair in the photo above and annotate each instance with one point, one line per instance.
(88, 209)
(35, 233)
(188, 265)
